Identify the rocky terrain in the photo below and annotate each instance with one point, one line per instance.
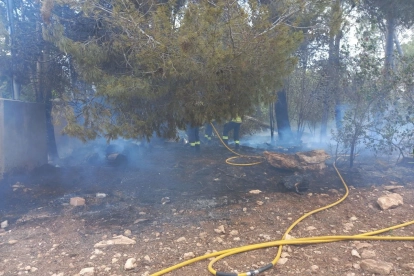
(172, 205)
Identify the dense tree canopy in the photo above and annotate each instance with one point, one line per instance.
(155, 67)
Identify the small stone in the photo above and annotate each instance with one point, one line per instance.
(363, 245)
(33, 269)
(234, 233)
(236, 239)
(130, 264)
(147, 258)
(260, 203)
(314, 268)
(12, 241)
(282, 261)
(335, 259)
(127, 232)
(77, 201)
(310, 228)
(181, 239)
(244, 209)
(368, 254)
(353, 218)
(88, 271)
(255, 192)
(220, 230)
(356, 266)
(4, 224)
(374, 266)
(284, 255)
(189, 255)
(355, 253)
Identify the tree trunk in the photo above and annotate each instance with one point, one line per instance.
(50, 129)
(389, 43)
(284, 130)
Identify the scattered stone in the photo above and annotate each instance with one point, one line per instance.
(147, 258)
(12, 241)
(88, 271)
(234, 233)
(392, 188)
(353, 218)
(127, 233)
(77, 201)
(335, 259)
(356, 266)
(130, 264)
(33, 269)
(189, 255)
(260, 203)
(220, 230)
(348, 226)
(368, 254)
(100, 195)
(355, 253)
(363, 245)
(390, 201)
(236, 239)
(4, 224)
(374, 266)
(165, 200)
(314, 268)
(139, 220)
(285, 255)
(282, 261)
(255, 192)
(311, 228)
(182, 239)
(117, 240)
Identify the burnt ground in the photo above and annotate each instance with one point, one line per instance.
(172, 200)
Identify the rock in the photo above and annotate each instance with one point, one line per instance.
(310, 228)
(390, 201)
(220, 230)
(165, 200)
(368, 254)
(12, 241)
(88, 271)
(234, 233)
(130, 264)
(127, 233)
(285, 255)
(4, 224)
(363, 245)
(77, 201)
(314, 268)
(33, 269)
(374, 266)
(255, 192)
(117, 240)
(189, 255)
(355, 253)
(282, 261)
(147, 258)
(182, 239)
(302, 161)
(100, 195)
(392, 188)
(260, 203)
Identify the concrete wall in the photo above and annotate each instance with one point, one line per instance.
(22, 135)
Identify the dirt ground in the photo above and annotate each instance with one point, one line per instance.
(175, 204)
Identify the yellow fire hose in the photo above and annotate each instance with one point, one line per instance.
(309, 240)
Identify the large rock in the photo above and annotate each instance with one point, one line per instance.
(390, 201)
(301, 161)
(373, 266)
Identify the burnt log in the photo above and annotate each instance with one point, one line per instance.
(117, 160)
(301, 161)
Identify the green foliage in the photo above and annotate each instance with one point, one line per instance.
(156, 68)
